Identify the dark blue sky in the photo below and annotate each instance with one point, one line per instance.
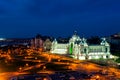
(26, 18)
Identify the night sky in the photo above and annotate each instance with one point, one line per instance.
(26, 18)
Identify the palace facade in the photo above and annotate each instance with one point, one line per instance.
(79, 48)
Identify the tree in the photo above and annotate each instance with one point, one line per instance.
(47, 45)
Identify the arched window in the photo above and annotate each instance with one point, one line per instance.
(106, 49)
(85, 50)
(107, 56)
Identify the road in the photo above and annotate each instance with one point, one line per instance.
(75, 65)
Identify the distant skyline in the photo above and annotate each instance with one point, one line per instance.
(26, 18)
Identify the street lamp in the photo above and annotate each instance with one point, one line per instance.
(35, 57)
(58, 60)
(20, 69)
(44, 67)
(27, 64)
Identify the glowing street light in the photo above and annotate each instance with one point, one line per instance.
(58, 60)
(27, 64)
(44, 67)
(97, 77)
(6, 61)
(20, 69)
(35, 57)
(25, 57)
(72, 78)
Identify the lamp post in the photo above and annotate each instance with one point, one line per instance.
(20, 69)
(27, 64)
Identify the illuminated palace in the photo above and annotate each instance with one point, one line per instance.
(79, 48)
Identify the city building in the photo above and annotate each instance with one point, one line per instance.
(79, 48)
(37, 42)
(47, 45)
(15, 42)
(114, 40)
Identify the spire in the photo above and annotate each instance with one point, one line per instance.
(75, 32)
(104, 42)
(83, 42)
(55, 41)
